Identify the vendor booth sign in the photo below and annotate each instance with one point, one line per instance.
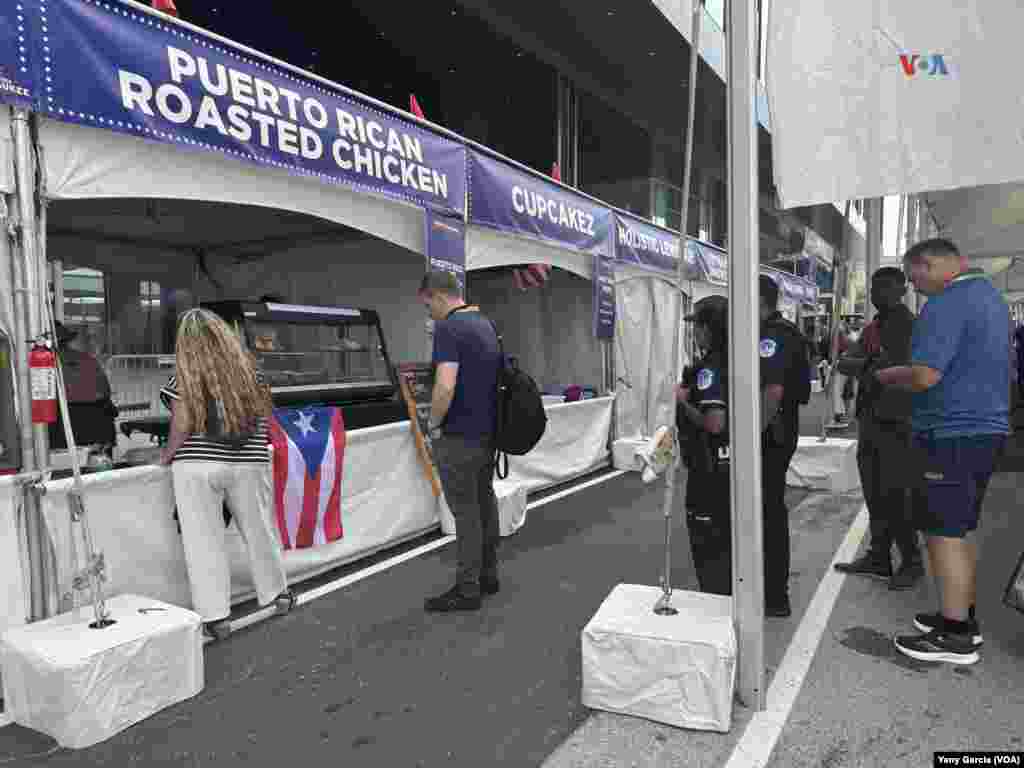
(604, 297)
(714, 263)
(109, 65)
(649, 247)
(446, 245)
(15, 53)
(514, 201)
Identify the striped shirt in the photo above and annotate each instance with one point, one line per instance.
(199, 447)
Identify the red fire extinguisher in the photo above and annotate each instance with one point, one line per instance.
(42, 364)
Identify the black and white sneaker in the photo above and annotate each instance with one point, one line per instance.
(928, 622)
(938, 645)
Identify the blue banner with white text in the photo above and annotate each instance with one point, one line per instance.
(714, 262)
(644, 245)
(17, 73)
(446, 245)
(506, 198)
(114, 67)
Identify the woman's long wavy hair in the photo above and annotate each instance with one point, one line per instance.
(213, 364)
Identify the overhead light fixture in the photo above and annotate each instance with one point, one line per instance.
(651, 53)
(611, 13)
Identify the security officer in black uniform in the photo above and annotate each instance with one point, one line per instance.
(785, 385)
(702, 402)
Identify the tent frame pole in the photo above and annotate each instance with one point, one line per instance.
(664, 605)
(745, 427)
(28, 295)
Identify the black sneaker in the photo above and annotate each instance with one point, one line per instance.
(490, 586)
(938, 645)
(929, 622)
(907, 577)
(867, 565)
(452, 600)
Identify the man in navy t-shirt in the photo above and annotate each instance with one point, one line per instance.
(959, 373)
(463, 418)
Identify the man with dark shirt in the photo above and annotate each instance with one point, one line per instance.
(883, 416)
(463, 418)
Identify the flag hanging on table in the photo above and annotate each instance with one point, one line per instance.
(892, 97)
(309, 451)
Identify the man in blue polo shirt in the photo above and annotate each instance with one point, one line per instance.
(959, 373)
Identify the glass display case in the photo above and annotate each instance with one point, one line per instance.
(311, 354)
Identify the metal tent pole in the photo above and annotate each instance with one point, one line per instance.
(28, 315)
(744, 332)
(874, 251)
(664, 605)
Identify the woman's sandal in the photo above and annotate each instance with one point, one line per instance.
(217, 630)
(285, 602)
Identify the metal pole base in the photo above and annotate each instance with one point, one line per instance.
(663, 607)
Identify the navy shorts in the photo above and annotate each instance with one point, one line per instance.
(951, 479)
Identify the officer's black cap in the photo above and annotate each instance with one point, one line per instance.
(707, 308)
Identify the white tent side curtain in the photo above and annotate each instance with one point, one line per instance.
(81, 163)
(6, 152)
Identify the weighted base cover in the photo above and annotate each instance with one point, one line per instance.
(679, 670)
(82, 685)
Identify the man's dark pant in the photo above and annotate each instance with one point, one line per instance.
(883, 453)
(466, 466)
(774, 466)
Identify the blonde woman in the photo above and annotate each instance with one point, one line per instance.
(218, 452)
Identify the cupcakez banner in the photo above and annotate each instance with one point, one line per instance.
(16, 54)
(111, 66)
(514, 201)
(446, 245)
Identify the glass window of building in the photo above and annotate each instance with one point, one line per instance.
(615, 162)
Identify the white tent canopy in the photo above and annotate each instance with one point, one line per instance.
(891, 97)
(486, 248)
(986, 223)
(88, 163)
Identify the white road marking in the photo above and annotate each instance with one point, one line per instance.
(755, 747)
(304, 597)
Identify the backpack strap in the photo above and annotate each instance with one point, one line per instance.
(498, 406)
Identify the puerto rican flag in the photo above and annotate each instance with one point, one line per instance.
(309, 451)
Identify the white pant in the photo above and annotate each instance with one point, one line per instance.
(200, 489)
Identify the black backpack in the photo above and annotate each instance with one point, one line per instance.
(521, 416)
(798, 380)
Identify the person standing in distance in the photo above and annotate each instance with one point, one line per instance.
(883, 416)
(702, 411)
(785, 374)
(958, 372)
(463, 419)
